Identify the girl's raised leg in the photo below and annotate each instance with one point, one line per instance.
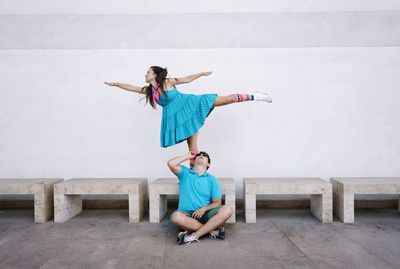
(192, 144)
(238, 97)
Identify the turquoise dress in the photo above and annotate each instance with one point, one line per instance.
(182, 115)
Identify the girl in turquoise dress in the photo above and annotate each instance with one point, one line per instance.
(182, 114)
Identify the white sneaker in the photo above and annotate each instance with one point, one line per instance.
(262, 96)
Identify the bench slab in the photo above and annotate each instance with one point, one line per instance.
(42, 190)
(68, 202)
(320, 191)
(344, 189)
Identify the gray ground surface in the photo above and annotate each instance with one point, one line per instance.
(281, 238)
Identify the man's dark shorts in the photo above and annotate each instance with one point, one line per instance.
(207, 215)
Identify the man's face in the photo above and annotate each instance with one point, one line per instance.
(202, 159)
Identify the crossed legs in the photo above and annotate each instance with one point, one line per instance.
(191, 224)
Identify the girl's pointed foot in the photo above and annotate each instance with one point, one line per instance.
(262, 96)
(191, 161)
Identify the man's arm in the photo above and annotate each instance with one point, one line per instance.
(187, 79)
(200, 212)
(215, 203)
(174, 164)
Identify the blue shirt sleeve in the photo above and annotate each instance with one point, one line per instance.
(183, 172)
(216, 189)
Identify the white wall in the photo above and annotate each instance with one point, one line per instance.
(332, 69)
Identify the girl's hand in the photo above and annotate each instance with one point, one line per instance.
(111, 83)
(207, 73)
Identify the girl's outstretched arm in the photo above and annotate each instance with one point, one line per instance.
(187, 79)
(127, 87)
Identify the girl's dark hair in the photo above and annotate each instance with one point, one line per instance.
(161, 75)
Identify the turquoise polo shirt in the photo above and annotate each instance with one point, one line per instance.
(196, 191)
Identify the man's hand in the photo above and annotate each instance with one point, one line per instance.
(207, 73)
(199, 213)
(191, 155)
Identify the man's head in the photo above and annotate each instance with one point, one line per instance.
(203, 159)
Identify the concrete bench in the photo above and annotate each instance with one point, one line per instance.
(344, 189)
(320, 191)
(159, 189)
(41, 188)
(68, 202)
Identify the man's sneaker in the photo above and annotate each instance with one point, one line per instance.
(218, 233)
(180, 235)
(262, 96)
(187, 238)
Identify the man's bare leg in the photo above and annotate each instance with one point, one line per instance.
(184, 222)
(216, 221)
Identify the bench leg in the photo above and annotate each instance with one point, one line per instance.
(158, 207)
(231, 202)
(348, 208)
(138, 204)
(136, 207)
(250, 207)
(43, 203)
(343, 203)
(66, 207)
(321, 206)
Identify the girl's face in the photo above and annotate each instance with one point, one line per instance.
(150, 75)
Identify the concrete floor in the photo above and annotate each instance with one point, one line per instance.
(282, 238)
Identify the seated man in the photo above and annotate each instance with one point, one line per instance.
(199, 210)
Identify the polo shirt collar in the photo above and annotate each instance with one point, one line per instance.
(194, 172)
